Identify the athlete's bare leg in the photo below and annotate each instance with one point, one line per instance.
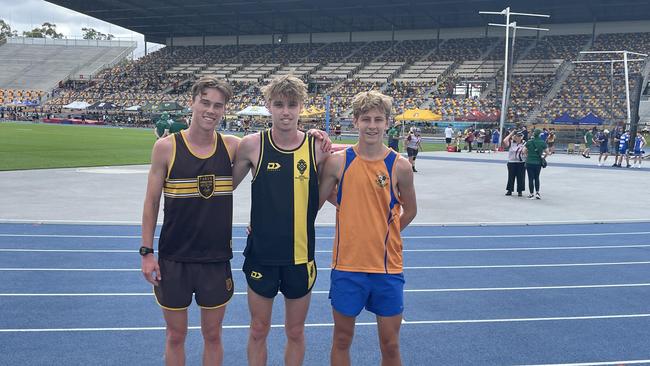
(389, 339)
(342, 339)
(175, 340)
(211, 320)
(260, 309)
(294, 327)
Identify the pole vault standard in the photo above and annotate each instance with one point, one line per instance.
(507, 13)
(625, 61)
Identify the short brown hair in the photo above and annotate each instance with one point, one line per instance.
(206, 82)
(366, 101)
(287, 86)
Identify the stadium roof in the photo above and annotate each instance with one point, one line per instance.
(159, 19)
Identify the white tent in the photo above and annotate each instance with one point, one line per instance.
(77, 105)
(254, 110)
(133, 108)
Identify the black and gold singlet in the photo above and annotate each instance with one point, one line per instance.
(197, 225)
(284, 204)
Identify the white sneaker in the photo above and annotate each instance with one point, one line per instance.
(600, 164)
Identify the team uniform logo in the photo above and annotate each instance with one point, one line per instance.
(205, 185)
(273, 166)
(256, 275)
(302, 168)
(228, 284)
(382, 180)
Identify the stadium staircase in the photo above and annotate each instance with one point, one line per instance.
(563, 73)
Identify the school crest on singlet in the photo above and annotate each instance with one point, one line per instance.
(302, 167)
(206, 185)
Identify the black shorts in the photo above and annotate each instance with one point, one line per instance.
(294, 281)
(411, 152)
(211, 283)
(448, 140)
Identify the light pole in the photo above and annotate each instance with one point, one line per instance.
(507, 13)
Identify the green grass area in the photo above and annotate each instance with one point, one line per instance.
(37, 146)
(33, 146)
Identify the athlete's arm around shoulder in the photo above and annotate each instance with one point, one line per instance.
(406, 191)
(329, 176)
(160, 160)
(232, 144)
(248, 152)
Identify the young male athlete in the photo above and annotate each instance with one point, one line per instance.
(375, 201)
(193, 169)
(280, 249)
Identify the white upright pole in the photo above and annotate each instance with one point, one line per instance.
(505, 79)
(627, 92)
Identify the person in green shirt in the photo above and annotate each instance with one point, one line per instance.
(589, 140)
(161, 128)
(177, 126)
(535, 150)
(393, 137)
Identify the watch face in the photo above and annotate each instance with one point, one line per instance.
(145, 251)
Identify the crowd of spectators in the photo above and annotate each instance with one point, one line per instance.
(587, 89)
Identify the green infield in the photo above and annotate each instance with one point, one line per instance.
(34, 146)
(38, 146)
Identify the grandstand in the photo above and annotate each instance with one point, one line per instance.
(419, 67)
(32, 67)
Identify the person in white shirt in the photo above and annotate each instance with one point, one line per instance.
(449, 134)
(516, 160)
(413, 145)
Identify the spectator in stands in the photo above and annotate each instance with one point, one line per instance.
(535, 151)
(516, 162)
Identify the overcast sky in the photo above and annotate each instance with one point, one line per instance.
(25, 15)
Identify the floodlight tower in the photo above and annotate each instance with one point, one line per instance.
(507, 13)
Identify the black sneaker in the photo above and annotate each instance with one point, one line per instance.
(531, 197)
(519, 194)
(508, 193)
(414, 170)
(537, 196)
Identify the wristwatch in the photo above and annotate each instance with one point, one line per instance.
(145, 250)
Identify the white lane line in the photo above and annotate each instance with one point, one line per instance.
(329, 325)
(332, 238)
(618, 363)
(470, 289)
(443, 250)
(331, 224)
(327, 269)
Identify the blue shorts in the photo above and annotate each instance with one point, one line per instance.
(379, 293)
(622, 150)
(604, 149)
